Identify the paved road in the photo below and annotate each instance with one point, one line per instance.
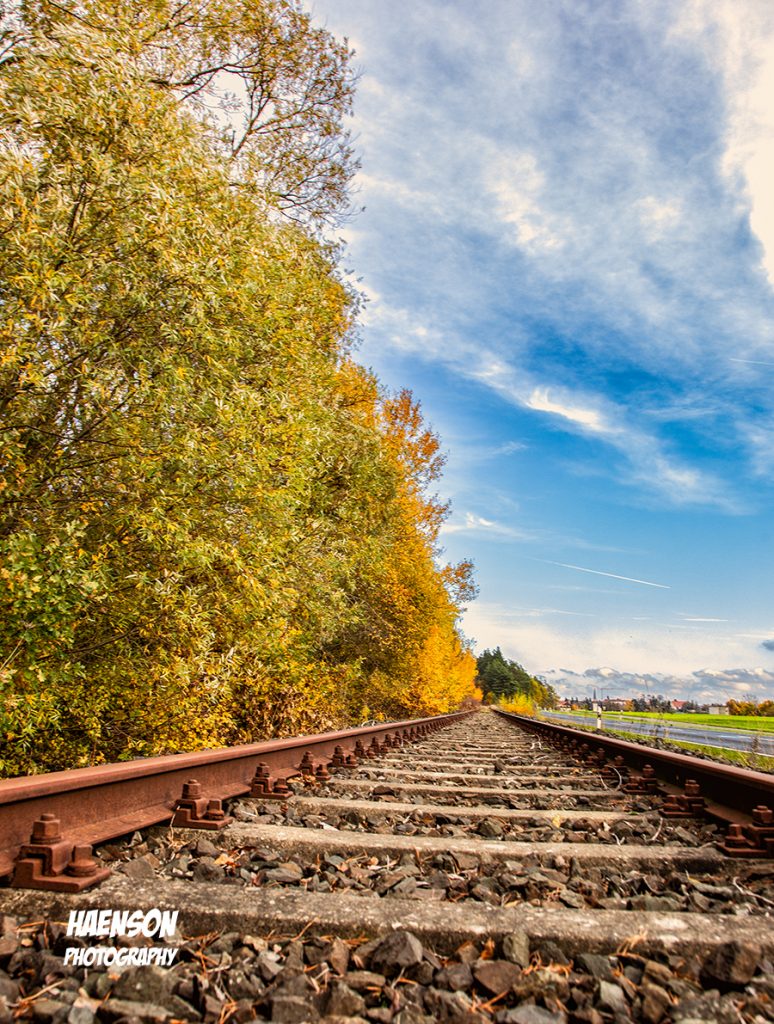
(716, 736)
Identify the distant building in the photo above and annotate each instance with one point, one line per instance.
(678, 705)
(614, 704)
(717, 709)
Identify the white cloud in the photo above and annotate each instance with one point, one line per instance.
(510, 447)
(398, 192)
(748, 59)
(472, 523)
(649, 466)
(588, 418)
(759, 438)
(566, 224)
(633, 648)
(705, 685)
(658, 215)
(516, 184)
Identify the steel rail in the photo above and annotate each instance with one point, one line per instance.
(83, 806)
(731, 794)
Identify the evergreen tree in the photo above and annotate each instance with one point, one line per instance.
(501, 678)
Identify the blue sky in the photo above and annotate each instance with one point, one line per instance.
(567, 245)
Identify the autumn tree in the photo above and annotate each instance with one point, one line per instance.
(750, 707)
(268, 90)
(214, 526)
(405, 633)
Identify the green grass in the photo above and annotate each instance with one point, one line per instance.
(758, 723)
(744, 758)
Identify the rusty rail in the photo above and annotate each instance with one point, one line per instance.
(738, 798)
(48, 823)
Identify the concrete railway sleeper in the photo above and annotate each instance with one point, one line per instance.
(473, 873)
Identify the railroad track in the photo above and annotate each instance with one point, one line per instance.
(471, 873)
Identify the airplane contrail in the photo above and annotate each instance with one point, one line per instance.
(612, 575)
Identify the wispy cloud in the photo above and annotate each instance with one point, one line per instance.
(603, 220)
(599, 418)
(510, 447)
(594, 416)
(516, 185)
(569, 244)
(475, 524)
(746, 55)
(589, 419)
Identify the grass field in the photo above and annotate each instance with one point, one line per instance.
(744, 758)
(755, 723)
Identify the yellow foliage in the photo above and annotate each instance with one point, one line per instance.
(519, 705)
(214, 526)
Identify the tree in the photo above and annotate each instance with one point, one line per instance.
(506, 679)
(213, 525)
(750, 707)
(406, 635)
(269, 91)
